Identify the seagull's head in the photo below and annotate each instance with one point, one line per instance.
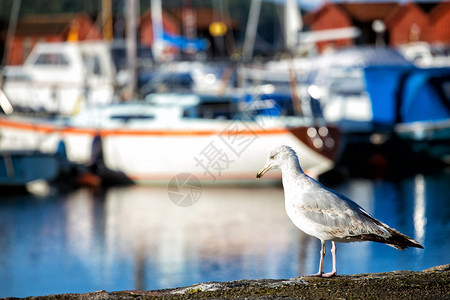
(277, 157)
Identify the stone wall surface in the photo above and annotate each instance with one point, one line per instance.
(433, 283)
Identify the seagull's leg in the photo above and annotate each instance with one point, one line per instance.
(322, 255)
(333, 252)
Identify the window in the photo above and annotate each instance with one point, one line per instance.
(214, 109)
(127, 118)
(51, 59)
(93, 64)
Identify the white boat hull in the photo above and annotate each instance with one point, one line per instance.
(233, 151)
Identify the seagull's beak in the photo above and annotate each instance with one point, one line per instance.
(264, 170)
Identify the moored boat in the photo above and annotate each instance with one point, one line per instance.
(389, 111)
(171, 134)
(18, 169)
(61, 78)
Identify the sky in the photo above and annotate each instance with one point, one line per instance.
(314, 4)
(304, 4)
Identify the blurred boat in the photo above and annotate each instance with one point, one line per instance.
(212, 138)
(35, 171)
(413, 103)
(426, 55)
(389, 111)
(337, 81)
(61, 78)
(20, 168)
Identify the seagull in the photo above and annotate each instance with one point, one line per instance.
(326, 214)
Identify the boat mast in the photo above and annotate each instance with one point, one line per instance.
(11, 30)
(131, 43)
(107, 20)
(5, 105)
(250, 32)
(157, 28)
(292, 25)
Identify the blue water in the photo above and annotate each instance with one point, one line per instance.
(136, 238)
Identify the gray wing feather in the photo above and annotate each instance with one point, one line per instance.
(343, 217)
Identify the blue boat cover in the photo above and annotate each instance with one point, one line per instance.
(408, 94)
(183, 43)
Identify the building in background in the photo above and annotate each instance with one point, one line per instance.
(382, 23)
(32, 29)
(440, 23)
(407, 23)
(389, 23)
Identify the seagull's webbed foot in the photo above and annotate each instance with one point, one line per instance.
(313, 275)
(330, 274)
(319, 275)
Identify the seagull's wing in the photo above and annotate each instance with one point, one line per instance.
(338, 215)
(342, 219)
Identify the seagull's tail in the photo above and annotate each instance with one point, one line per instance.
(389, 236)
(400, 241)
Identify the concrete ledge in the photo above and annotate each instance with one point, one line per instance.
(433, 283)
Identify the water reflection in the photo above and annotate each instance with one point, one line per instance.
(419, 208)
(229, 233)
(136, 238)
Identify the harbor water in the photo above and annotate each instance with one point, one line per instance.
(137, 237)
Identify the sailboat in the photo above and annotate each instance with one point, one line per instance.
(169, 134)
(216, 138)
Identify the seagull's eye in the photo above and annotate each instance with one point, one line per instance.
(273, 156)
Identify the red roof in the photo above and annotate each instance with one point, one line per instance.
(401, 11)
(368, 12)
(439, 11)
(44, 24)
(56, 25)
(360, 12)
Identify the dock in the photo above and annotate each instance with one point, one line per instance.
(433, 283)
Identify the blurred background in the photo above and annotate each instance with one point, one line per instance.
(131, 133)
